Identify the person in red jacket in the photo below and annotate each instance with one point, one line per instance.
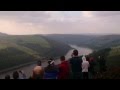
(64, 69)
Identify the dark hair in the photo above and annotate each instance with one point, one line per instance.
(75, 52)
(87, 58)
(49, 62)
(62, 58)
(20, 71)
(15, 75)
(39, 63)
(7, 77)
(51, 59)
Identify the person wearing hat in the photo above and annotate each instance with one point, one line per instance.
(51, 71)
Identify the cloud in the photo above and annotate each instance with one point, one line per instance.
(44, 22)
(106, 13)
(13, 27)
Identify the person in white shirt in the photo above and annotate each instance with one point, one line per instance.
(85, 66)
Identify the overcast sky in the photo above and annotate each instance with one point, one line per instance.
(59, 22)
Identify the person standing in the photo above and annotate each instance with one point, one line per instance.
(85, 67)
(92, 63)
(64, 69)
(75, 63)
(102, 64)
(22, 74)
(16, 75)
(7, 77)
(51, 71)
(38, 71)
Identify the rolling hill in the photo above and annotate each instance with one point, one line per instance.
(19, 49)
(112, 57)
(107, 46)
(96, 42)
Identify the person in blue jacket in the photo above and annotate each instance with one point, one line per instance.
(51, 71)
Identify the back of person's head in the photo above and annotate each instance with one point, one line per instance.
(51, 59)
(39, 63)
(15, 75)
(7, 77)
(91, 59)
(87, 58)
(62, 58)
(20, 71)
(51, 62)
(75, 52)
(83, 58)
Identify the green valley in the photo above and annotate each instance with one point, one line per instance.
(20, 49)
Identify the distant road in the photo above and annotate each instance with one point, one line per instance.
(28, 69)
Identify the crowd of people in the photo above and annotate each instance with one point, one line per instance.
(77, 67)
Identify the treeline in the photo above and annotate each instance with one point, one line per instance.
(103, 52)
(112, 63)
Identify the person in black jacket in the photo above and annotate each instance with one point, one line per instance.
(75, 63)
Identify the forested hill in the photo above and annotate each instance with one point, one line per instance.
(95, 42)
(20, 49)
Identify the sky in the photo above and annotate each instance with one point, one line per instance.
(59, 22)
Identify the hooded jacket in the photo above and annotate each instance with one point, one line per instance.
(85, 64)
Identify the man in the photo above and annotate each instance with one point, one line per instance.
(85, 66)
(22, 74)
(92, 66)
(38, 71)
(102, 64)
(75, 63)
(64, 69)
(16, 75)
(7, 77)
(51, 71)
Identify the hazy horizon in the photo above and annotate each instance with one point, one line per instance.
(60, 22)
(65, 34)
